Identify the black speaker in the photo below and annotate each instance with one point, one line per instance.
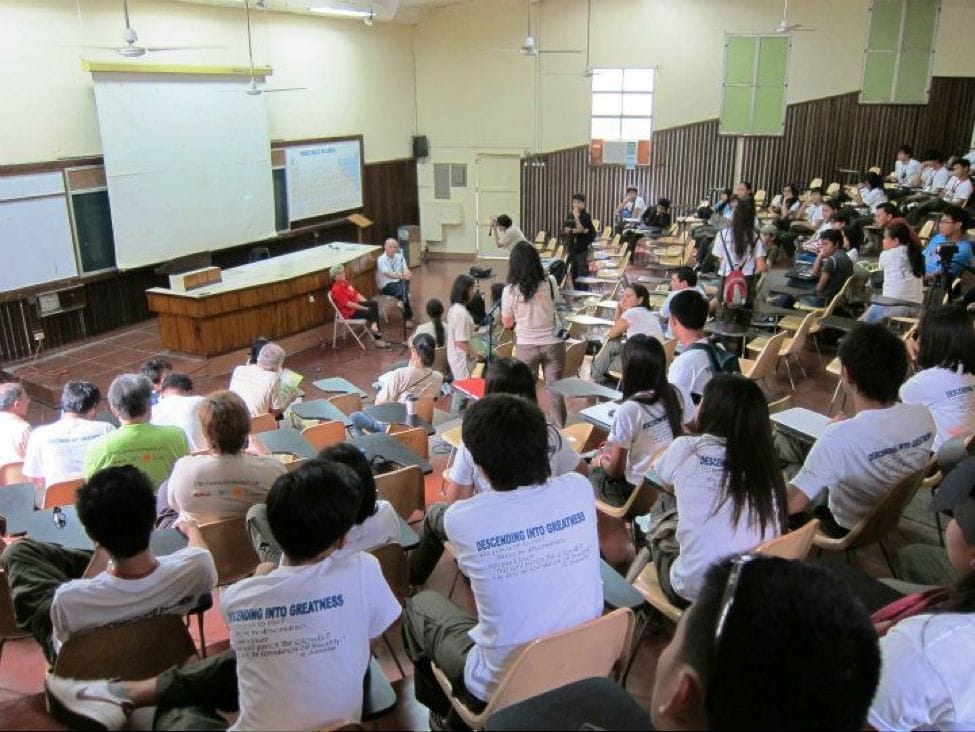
(421, 148)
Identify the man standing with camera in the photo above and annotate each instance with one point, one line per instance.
(578, 227)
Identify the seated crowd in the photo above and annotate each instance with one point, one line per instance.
(523, 506)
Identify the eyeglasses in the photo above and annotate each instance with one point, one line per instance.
(942, 222)
(728, 599)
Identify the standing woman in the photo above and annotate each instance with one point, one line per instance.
(633, 317)
(902, 261)
(739, 248)
(353, 305)
(460, 329)
(528, 306)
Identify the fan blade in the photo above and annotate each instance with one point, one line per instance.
(559, 50)
(284, 89)
(153, 49)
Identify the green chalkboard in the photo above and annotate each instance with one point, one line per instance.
(93, 225)
(280, 179)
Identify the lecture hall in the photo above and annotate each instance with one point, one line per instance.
(361, 362)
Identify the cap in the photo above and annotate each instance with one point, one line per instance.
(769, 229)
(957, 494)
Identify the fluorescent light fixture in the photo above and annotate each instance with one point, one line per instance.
(341, 12)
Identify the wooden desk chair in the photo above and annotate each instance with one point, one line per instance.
(404, 489)
(139, 649)
(292, 465)
(356, 326)
(578, 435)
(504, 350)
(392, 562)
(880, 521)
(324, 434)
(63, 493)
(832, 189)
(924, 233)
(793, 545)
(874, 169)
(233, 553)
(791, 347)
(834, 367)
(766, 361)
(670, 349)
(13, 473)
(263, 423)
(9, 630)
(639, 503)
(759, 198)
(414, 439)
(815, 183)
(440, 360)
(347, 403)
(596, 648)
(575, 354)
(648, 584)
(423, 408)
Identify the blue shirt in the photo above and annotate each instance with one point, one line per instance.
(961, 259)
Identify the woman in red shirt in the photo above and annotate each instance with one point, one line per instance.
(353, 305)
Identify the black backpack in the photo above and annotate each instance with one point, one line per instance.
(722, 360)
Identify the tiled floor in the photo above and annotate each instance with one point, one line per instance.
(22, 666)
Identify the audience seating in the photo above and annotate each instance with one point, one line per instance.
(766, 360)
(578, 435)
(233, 553)
(356, 326)
(790, 347)
(13, 473)
(794, 545)
(596, 648)
(140, 649)
(324, 434)
(639, 503)
(440, 360)
(392, 561)
(347, 403)
(404, 489)
(575, 354)
(876, 525)
(413, 438)
(263, 423)
(63, 493)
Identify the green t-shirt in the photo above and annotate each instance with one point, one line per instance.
(153, 449)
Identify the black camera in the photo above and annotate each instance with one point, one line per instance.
(947, 252)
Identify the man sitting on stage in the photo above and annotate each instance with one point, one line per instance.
(393, 277)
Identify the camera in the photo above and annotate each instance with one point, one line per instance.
(947, 252)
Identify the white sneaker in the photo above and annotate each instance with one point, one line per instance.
(86, 704)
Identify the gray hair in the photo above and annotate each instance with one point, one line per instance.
(271, 356)
(10, 393)
(336, 271)
(130, 396)
(391, 240)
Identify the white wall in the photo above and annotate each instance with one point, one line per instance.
(358, 79)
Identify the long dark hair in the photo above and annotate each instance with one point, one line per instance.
(903, 232)
(733, 407)
(946, 339)
(743, 228)
(435, 313)
(787, 202)
(643, 295)
(459, 292)
(645, 378)
(525, 269)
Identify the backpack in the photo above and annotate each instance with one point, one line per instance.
(722, 360)
(735, 287)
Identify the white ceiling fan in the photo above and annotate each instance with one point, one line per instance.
(130, 49)
(529, 45)
(253, 89)
(784, 27)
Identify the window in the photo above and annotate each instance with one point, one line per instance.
(756, 73)
(897, 61)
(622, 104)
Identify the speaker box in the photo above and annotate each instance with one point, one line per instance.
(421, 148)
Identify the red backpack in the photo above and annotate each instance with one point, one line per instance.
(735, 293)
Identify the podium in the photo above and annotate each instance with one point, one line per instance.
(361, 224)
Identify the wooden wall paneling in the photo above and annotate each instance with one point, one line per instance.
(391, 197)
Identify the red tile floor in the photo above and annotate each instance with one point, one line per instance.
(22, 665)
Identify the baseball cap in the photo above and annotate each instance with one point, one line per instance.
(769, 229)
(957, 494)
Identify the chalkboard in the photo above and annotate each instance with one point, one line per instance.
(93, 225)
(281, 221)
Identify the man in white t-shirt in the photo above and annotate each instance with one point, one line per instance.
(858, 460)
(179, 407)
(692, 369)
(684, 278)
(56, 452)
(300, 633)
(907, 170)
(14, 428)
(529, 547)
(810, 215)
(57, 592)
(259, 384)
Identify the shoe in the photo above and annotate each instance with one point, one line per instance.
(409, 324)
(86, 704)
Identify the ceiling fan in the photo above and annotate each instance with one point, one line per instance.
(252, 87)
(784, 27)
(130, 49)
(529, 45)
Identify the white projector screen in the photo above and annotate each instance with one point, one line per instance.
(188, 163)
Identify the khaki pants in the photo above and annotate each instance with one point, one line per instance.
(552, 360)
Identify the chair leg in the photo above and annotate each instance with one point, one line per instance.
(635, 648)
(392, 652)
(788, 370)
(203, 641)
(799, 364)
(941, 531)
(836, 393)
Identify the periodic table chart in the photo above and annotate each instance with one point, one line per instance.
(323, 178)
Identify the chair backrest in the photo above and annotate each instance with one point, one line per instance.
(760, 196)
(324, 434)
(802, 335)
(794, 545)
(404, 489)
(838, 299)
(230, 545)
(874, 169)
(578, 435)
(423, 408)
(13, 473)
(670, 348)
(392, 561)
(347, 403)
(925, 231)
(440, 359)
(263, 423)
(414, 439)
(887, 513)
(780, 405)
(816, 183)
(63, 493)
(767, 358)
(590, 649)
(575, 353)
(140, 649)
(540, 237)
(504, 350)
(832, 189)
(292, 465)
(339, 318)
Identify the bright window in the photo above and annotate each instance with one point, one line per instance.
(622, 104)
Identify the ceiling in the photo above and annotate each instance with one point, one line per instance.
(407, 12)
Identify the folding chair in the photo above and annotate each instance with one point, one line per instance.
(13, 473)
(414, 439)
(63, 493)
(324, 434)
(759, 369)
(231, 548)
(349, 325)
(596, 648)
(404, 489)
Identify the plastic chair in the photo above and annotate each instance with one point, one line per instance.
(230, 545)
(880, 521)
(575, 353)
(347, 403)
(794, 545)
(263, 423)
(759, 369)
(349, 325)
(13, 473)
(324, 434)
(791, 347)
(413, 438)
(578, 435)
(595, 648)
(404, 489)
(63, 493)
(140, 649)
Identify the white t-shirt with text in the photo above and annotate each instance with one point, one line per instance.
(643, 431)
(950, 395)
(207, 488)
(56, 452)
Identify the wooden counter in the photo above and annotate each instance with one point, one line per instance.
(275, 297)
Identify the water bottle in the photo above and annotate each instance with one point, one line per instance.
(411, 405)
